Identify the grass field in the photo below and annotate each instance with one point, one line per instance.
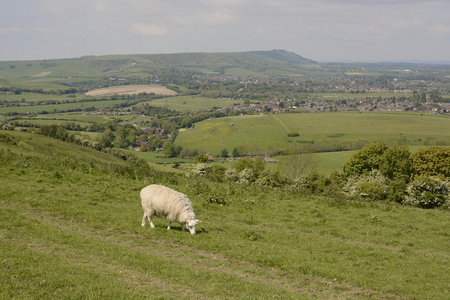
(271, 131)
(191, 103)
(61, 107)
(70, 228)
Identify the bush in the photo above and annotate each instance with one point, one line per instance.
(201, 159)
(272, 179)
(372, 185)
(393, 162)
(427, 192)
(217, 173)
(365, 160)
(432, 161)
(255, 164)
(200, 169)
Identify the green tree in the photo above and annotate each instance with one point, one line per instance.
(238, 151)
(201, 158)
(143, 147)
(168, 148)
(224, 153)
(107, 138)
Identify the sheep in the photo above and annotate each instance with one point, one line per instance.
(161, 201)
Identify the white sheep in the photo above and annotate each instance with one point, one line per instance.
(161, 201)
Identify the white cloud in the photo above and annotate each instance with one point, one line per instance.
(217, 17)
(9, 30)
(148, 30)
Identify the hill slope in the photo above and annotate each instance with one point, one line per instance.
(70, 228)
(259, 63)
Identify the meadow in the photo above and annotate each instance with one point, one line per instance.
(70, 228)
(191, 103)
(339, 131)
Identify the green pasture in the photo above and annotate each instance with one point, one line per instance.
(60, 107)
(266, 132)
(76, 117)
(191, 103)
(355, 96)
(27, 97)
(70, 228)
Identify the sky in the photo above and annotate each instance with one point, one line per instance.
(321, 30)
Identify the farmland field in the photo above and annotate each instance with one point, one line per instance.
(131, 90)
(271, 131)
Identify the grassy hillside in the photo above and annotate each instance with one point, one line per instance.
(70, 228)
(259, 63)
(325, 129)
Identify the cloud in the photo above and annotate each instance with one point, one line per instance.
(217, 17)
(9, 30)
(148, 30)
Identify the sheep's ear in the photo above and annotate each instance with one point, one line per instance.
(198, 221)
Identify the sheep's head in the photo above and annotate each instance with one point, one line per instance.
(191, 224)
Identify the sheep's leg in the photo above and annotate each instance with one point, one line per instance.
(182, 227)
(151, 223)
(143, 220)
(168, 227)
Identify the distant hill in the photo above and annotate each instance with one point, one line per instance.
(253, 63)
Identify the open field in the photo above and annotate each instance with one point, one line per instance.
(70, 228)
(333, 129)
(191, 103)
(60, 107)
(132, 90)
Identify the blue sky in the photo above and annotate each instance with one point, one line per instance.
(322, 30)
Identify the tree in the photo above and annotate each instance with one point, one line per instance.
(168, 149)
(224, 153)
(201, 159)
(107, 138)
(143, 147)
(297, 164)
(185, 153)
(238, 151)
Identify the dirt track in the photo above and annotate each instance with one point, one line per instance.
(131, 90)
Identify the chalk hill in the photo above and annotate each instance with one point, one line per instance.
(253, 63)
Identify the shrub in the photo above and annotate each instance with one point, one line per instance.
(273, 179)
(217, 173)
(365, 160)
(427, 192)
(200, 169)
(432, 161)
(201, 159)
(396, 162)
(255, 164)
(372, 185)
(320, 184)
(247, 175)
(231, 174)
(215, 198)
